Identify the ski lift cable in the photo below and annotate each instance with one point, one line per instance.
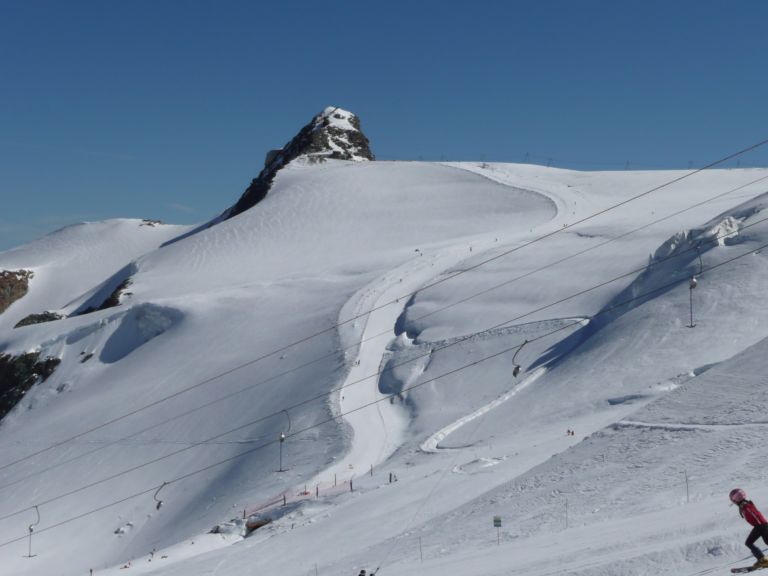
(314, 398)
(380, 306)
(266, 444)
(262, 446)
(589, 249)
(447, 345)
(260, 419)
(428, 314)
(192, 445)
(298, 367)
(436, 311)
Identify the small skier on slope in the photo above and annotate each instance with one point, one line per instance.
(751, 514)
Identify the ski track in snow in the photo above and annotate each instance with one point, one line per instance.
(383, 435)
(375, 439)
(432, 444)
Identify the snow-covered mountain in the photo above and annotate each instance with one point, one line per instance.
(329, 370)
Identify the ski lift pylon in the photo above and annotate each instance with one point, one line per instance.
(31, 530)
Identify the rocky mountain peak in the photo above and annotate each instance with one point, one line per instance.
(333, 133)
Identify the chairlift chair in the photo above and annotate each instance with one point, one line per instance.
(159, 502)
(516, 368)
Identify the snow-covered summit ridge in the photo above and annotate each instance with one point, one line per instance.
(332, 134)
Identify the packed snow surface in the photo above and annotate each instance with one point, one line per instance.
(335, 366)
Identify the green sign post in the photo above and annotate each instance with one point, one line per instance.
(497, 525)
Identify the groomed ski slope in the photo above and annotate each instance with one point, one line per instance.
(643, 392)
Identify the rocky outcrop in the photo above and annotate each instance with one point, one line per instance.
(38, 319)
(334, 133)
(112, 300)
(13, 285)
(18, 374)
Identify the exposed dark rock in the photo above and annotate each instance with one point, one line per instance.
(114, 298)
(112, 301)
(38, 319)
(13, 285)
(151, 223)
(18, 374)
(334, 133)
(271, 155)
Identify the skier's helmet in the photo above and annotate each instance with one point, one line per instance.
(737, 495)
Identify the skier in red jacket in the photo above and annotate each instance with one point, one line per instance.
(751, 514)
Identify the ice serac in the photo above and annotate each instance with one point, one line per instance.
(333, 133)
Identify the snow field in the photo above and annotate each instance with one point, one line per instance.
(643, 393)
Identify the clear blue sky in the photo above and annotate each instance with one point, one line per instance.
(165, 108)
